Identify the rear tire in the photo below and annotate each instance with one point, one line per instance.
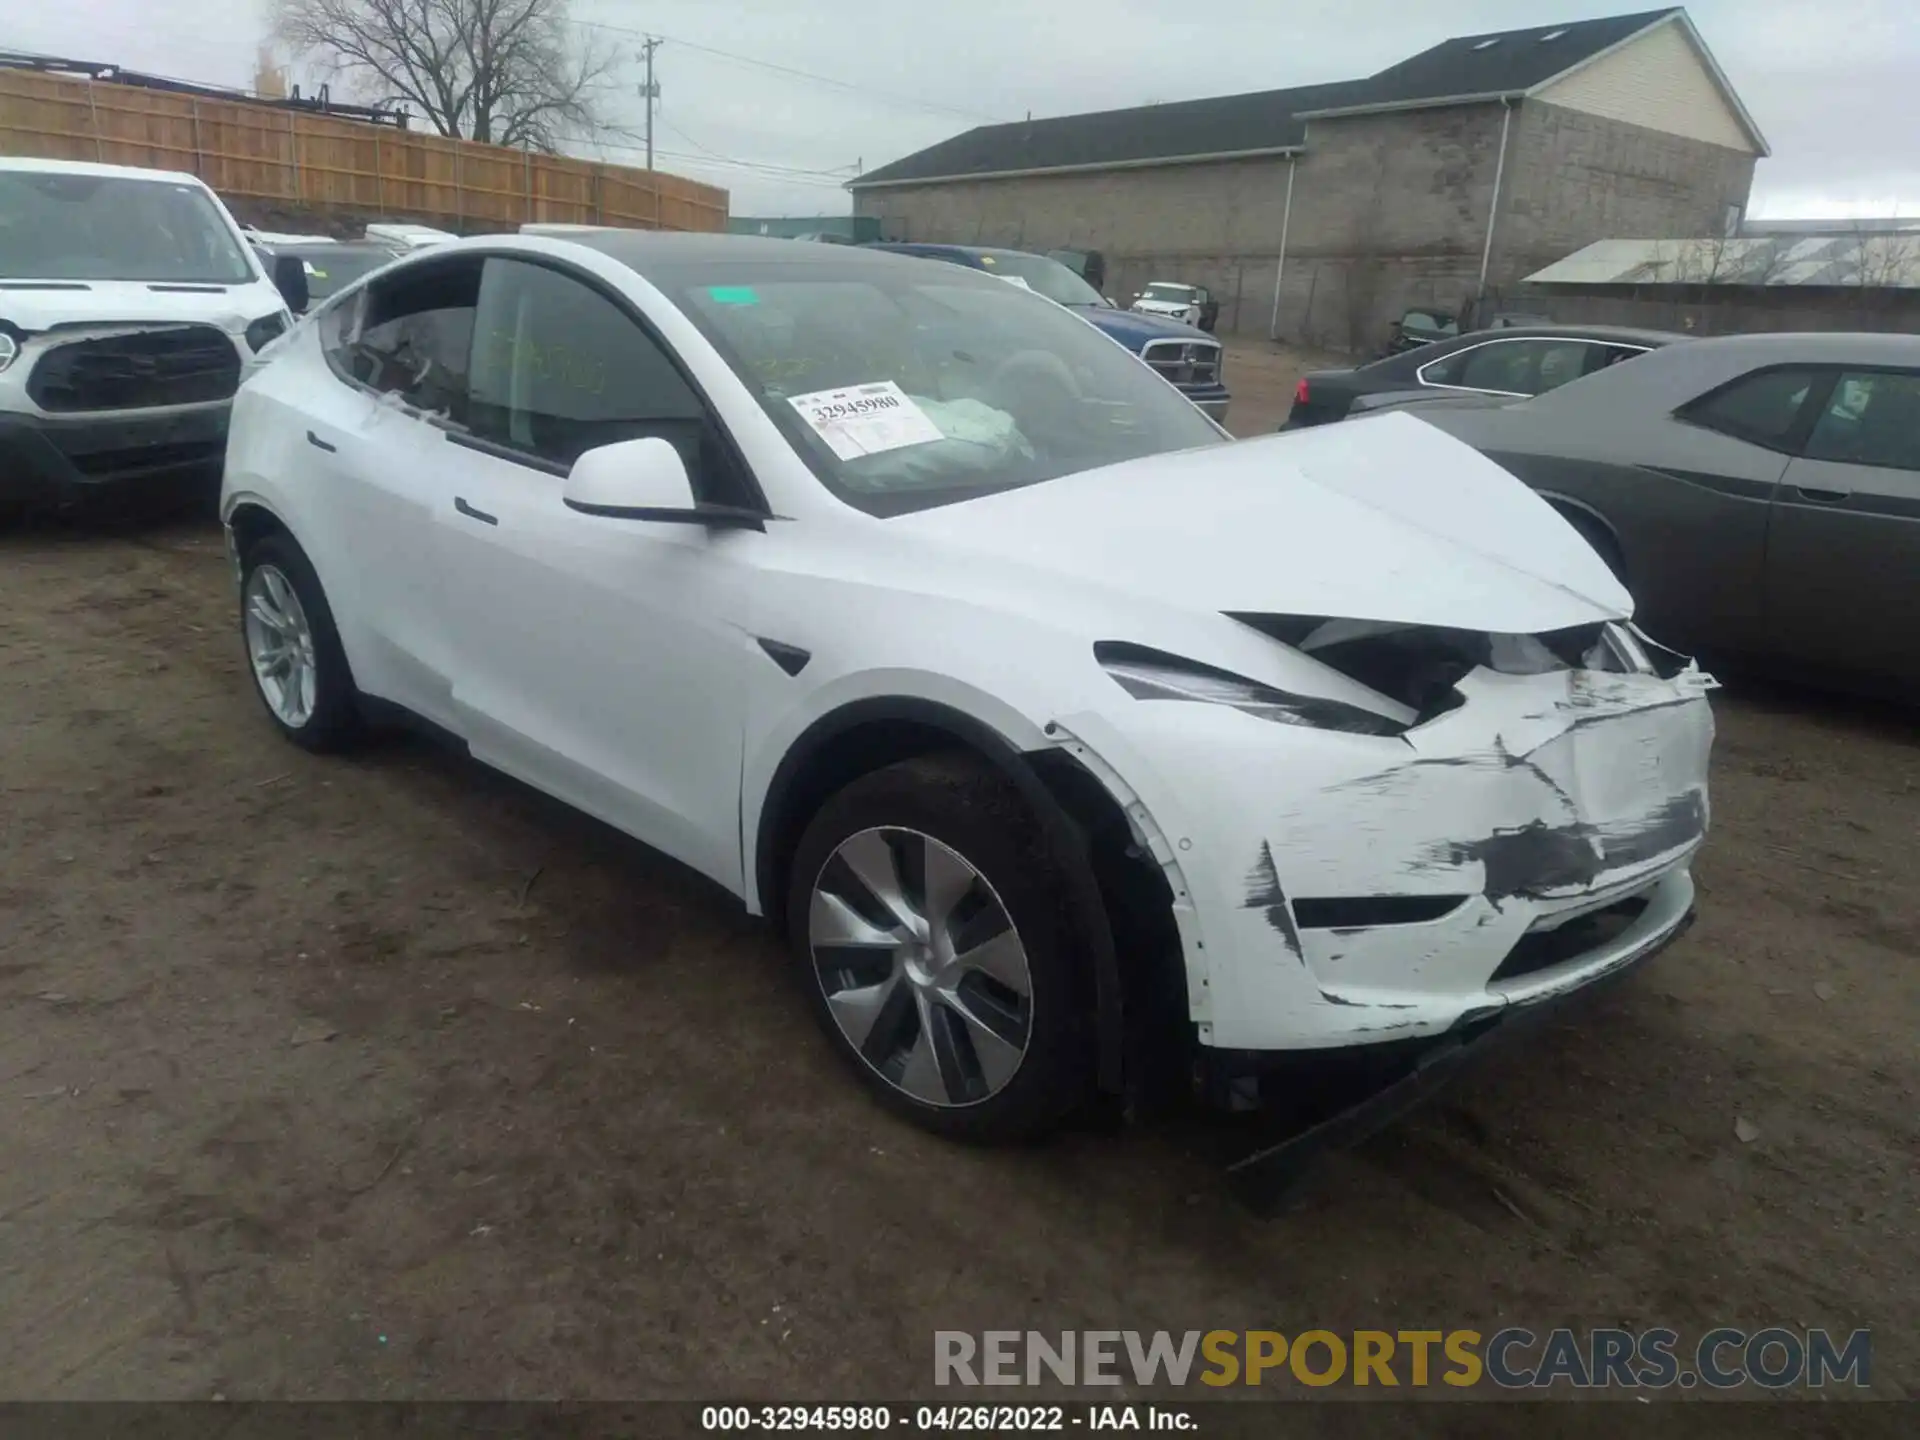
(929, 924)
(293, 649)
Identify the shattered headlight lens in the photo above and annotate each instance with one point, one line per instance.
(1151, 675)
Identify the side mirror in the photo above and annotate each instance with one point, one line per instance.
(290, 279)
(645, 480)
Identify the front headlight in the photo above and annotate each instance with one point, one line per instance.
(1627, 646)
(264, 331)
(9, 349)
(1153, 675)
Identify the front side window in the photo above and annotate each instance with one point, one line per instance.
(409, 335)
(1762, 408)
(908, 387)
(57, 226)
(560, 369)
(1872, 418)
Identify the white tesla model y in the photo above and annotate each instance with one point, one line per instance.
(1048, 725)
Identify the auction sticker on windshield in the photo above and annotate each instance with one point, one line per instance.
(865, 419)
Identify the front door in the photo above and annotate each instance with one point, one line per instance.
(601, 660)
(1843, 548)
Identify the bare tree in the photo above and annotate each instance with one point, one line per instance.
(1882, 258)
(509, 72)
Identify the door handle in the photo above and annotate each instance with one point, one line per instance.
(1823, 497)
(472, 514)
(319, 444)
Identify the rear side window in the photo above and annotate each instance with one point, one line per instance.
(1763, 408)
(1516, 367)
(409, 336)
(1872, 418)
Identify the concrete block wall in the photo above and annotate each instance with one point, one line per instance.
(1224, 208)
(1573, 178)
(1389, 212)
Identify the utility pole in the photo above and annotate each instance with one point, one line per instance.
(650, 92)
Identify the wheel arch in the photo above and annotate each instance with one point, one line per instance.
(1585, 518)
(1075, 811)
(249, 519)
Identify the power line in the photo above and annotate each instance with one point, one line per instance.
(835, 171)
(848, 85)
(823, 179)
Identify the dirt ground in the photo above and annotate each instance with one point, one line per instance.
(386, 1078)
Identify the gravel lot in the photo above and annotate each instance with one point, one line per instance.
(384, 1077)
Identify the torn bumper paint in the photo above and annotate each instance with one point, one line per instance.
(1338, 890)
(1264, 1177)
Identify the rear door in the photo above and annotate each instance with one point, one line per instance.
(1843, 551)
(398, 350)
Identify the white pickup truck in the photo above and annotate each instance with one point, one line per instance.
(131, 308)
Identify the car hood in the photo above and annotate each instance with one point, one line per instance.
(132, 302)
(1133, 329)
(1390, 521)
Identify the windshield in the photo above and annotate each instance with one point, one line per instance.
(1043, 276)
(1175, 294)
(904, 390)
(330, 271)
(57, 226)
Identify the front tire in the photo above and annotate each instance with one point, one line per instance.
(929, 923)
(293, 650)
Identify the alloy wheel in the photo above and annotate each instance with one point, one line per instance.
(280, 645)
(921, 966)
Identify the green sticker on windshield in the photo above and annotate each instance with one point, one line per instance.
(732, 295)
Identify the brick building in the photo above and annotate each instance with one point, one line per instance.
(1319, 214)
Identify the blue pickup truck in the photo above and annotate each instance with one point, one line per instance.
(1188, 358)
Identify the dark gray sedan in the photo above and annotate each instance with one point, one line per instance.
(1509, 363)
(1759, 494)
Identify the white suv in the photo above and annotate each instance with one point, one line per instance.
(131, 307)
(1051, 726)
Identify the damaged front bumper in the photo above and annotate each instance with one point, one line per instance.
(1335, 891)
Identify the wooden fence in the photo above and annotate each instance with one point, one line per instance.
(320, 162)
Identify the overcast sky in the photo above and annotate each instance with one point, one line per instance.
(1833, 84)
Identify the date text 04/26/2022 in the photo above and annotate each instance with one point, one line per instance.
(944, 1419)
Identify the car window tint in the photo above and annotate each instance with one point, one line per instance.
(409, 336)
(1603, 357)
(1519, 367)
(1761, 407)
(1872, 419)
(560, 369)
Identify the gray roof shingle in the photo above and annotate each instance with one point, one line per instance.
(1500, 62)
(1268, 120)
